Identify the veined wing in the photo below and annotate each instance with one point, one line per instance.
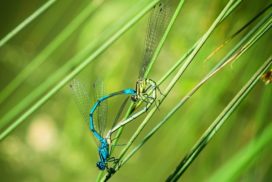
(101, 112)
(158, 21)
(82, 98)
(120, 112)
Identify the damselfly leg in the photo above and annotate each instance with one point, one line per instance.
(146, 91)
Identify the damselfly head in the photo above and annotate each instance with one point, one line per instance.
(134, 98)
(140, 86)
(101, 165)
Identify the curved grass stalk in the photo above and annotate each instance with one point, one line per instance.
(171, 70)
(190, 58)
(83, 64)
(47, 51)
(185, 56)
(119, 127)
(234, 54)
(27, 21)
(243, 159)
(253, 35)
(69, 65)
(218, 122)
(237, 32)
(124, 122)
(49, 82)
(156, 53)
(158, 49)
(177, 76)
(44, 86)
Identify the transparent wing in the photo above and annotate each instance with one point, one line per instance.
(82, 98)
(120, 111)
(158, 21)
(102, 110)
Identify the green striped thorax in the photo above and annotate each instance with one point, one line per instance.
(145, 89)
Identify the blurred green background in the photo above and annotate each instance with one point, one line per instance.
(53, 144)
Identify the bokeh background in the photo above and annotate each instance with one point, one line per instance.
(53, 144)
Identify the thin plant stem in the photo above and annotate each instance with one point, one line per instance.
(27, 21)
(164, 77)
(226, 60)
(154, 57)
(50, 81)
(158, 49)
(74, 72)
(185, 56)
(262, 27)
(119, 127)
(242, 160)
(46, 52)
(177, 76)
(124, 122)
(218, 122)
(238, 32)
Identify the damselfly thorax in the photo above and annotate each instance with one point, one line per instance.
(145, 91)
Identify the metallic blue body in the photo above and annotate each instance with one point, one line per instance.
(156, 27)
(103, 149)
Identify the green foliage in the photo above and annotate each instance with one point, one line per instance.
(41, 51)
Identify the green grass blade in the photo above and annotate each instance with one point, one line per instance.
(235, 53)
(173, 111)
(47, 51)
(48, 83)
(218, 122)
(243, 159)
(52, 123)
(27, 21)
(234, 35)
(158, 49)
(185, 56)
(83, 64)
(190, 58)
(156, 53)
(254, 34)
(177, 76)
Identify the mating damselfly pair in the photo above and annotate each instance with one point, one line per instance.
(145, 90)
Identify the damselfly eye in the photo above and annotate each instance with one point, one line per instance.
(134, 98)
(100, 165)
(145, 90)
